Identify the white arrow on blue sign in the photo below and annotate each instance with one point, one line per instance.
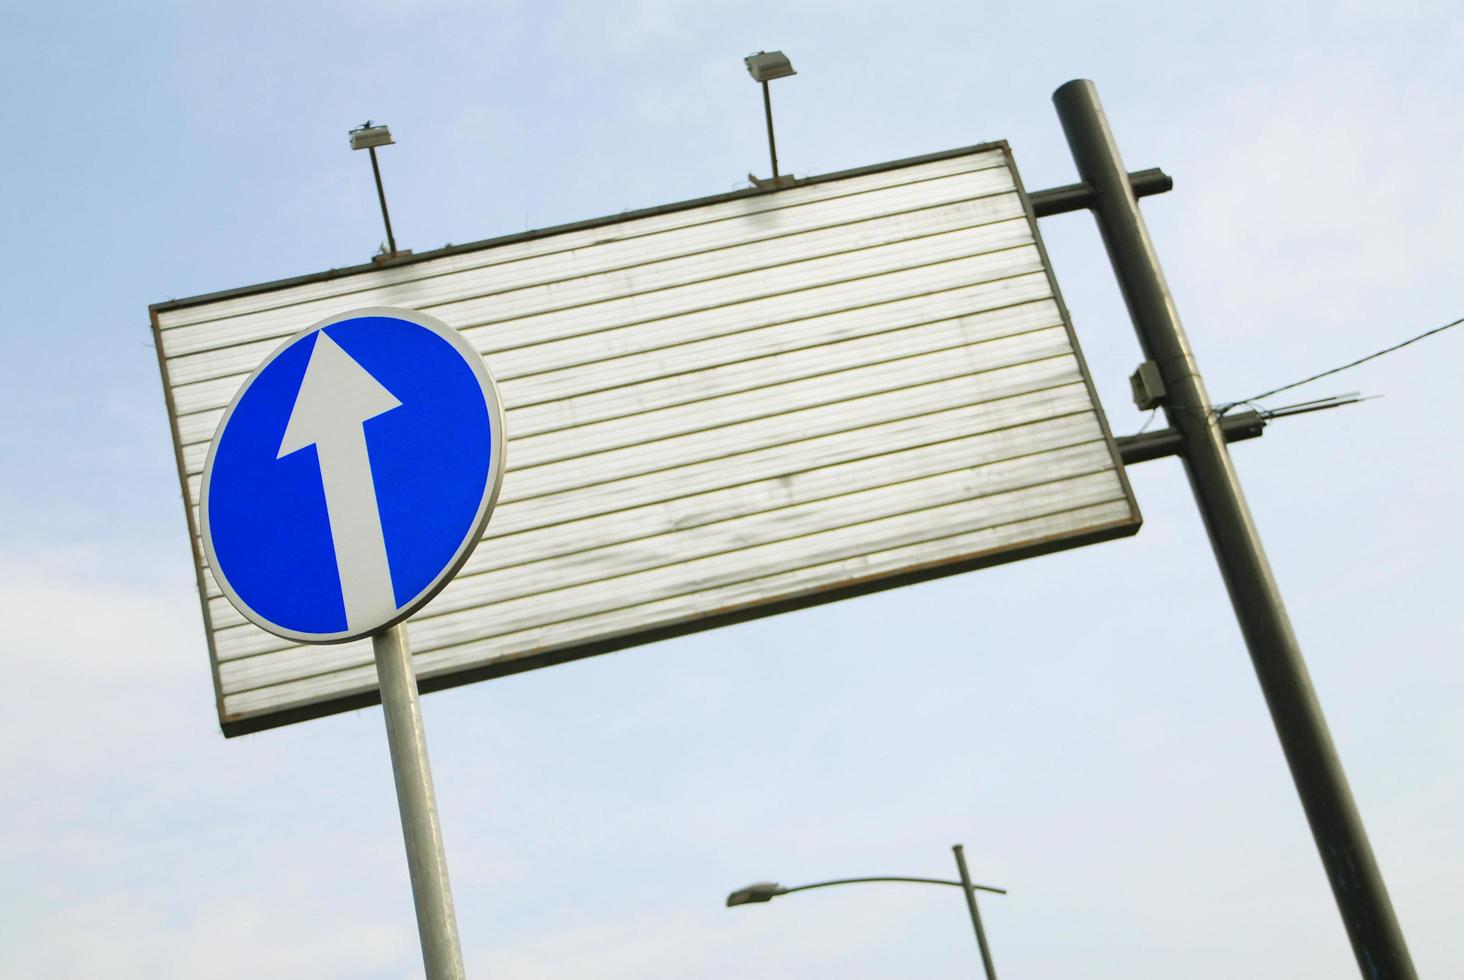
(352, 475)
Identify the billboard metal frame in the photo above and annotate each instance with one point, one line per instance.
(1146, 183)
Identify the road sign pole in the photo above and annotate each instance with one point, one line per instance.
(1367, 913)
(421, 829)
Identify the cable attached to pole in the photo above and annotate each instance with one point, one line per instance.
(1222, 409)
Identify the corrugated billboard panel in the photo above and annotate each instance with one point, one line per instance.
(716, 410)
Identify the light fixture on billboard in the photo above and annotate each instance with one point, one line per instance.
(368, 136)
(764, 67)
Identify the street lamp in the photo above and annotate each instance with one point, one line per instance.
(368, 137)
(766, 891)
(764, 67)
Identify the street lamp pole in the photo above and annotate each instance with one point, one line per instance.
(970, 890)
(766, 891)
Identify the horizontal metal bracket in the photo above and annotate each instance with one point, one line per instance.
(1234, 427)
(392, 258)
(1167, 442)
(1076, 197)
(772, 183)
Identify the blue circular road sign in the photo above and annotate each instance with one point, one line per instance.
(352, 475)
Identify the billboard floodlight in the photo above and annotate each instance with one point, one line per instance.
(764, 67)
(768, 65)
(368, 136)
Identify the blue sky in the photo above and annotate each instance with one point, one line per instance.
(1088, 723)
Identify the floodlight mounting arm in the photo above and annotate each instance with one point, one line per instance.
(772, 143)
(368, 137)
(764, 67)
(381, 196)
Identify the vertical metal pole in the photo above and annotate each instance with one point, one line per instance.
(772, 144)
(381, 196)
(436, 922)
(1357, 885)
(970, 891)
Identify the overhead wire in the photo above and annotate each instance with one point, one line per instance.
(1222, 409)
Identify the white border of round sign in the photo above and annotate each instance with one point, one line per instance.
(470, 541)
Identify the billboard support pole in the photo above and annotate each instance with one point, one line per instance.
(1357, 884)
(421, 830)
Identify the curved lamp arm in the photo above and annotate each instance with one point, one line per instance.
(765, 891)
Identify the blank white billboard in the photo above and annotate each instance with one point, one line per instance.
(716, 410)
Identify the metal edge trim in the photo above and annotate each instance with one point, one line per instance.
(1067, 323)
(194, 537)
(1058, 542)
